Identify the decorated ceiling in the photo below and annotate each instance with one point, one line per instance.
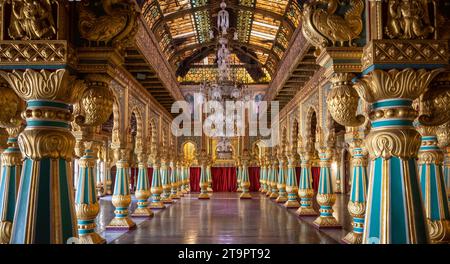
(260, 33)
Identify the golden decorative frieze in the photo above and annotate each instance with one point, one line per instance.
(37, 52)
(401, 52)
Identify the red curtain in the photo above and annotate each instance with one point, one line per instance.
(224, 179)
(316, 176)
(253, 173)
(195, 179)
(298, 171)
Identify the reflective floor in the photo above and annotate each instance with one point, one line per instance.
(225, 219)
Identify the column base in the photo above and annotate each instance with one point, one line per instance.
(184, 191)
(268, 193)
(123, 223)
(92, 238)
(157, 205)
(210, 190)
(203, 196)
(273, 195)
(174, 196)
(239, 189)
(353, 238)
(245, 195)
(180, 194)
(281, 199)
(326, 222)
(306, 211)
(292, 204)
(167, 200)
(142, 212)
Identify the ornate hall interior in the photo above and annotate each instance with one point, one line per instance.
(224, 122)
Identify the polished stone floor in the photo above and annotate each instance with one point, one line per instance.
(224, 219)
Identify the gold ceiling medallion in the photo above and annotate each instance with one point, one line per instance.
(322, 25)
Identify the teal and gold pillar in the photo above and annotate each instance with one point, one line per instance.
(121, 197)
(203, 159)
(208, 171)
(305, 188)
(142, 189)
(432, 184)
(274, 181)
(179, 177)
(281, 183)
(269, 176)
(156, 188)
(357, 202)
(245, 179)
(45, 211)
(165, 179)
(11, 169)
(173, 181)
(291, 182)
(183, 174)
(262, 176)
(239, 175)
(325, 194)
(395, 212)
(86, 204)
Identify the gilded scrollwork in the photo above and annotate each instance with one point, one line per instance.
(11, 107)
(32, 20)
(408, 19)
(435, 103)
(47, 143)
(393, 142)
(407, 83)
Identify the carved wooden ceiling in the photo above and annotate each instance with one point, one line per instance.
(182, 27)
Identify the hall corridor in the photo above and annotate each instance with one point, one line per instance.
(225, 219)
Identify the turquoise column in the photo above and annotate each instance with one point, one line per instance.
(269, 177)
(45, 212)
(245, 179)
(184, 185)
(165, 180)
(121, 196)
(11, 169)
(203, 181)
(98, 174)
(174, 182)
(432, 184)
(291, 183)
(281, 184)
(156, 188)
(142, 189)
(274, 182)
(188, 178)
(262, 177)
(86, 204)
(180, 179)
(357, 202)
(305, 189)
(239, 176)
(325, 194)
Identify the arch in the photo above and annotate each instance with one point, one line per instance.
(259, 149)
(189, 149)
(139, 133)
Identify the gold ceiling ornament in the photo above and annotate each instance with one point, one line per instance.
(408, 19)
(31, 20)
(117, 26)
(322, 25)
(342, 100)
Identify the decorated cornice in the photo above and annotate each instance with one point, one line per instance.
(297, 49)
(149, 47)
